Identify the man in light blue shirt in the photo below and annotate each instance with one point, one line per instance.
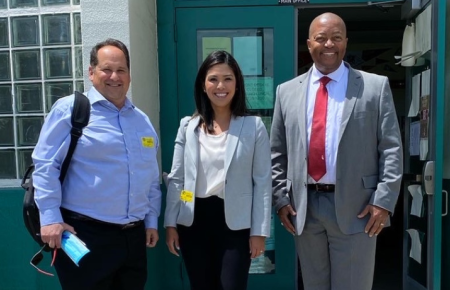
(111, 195)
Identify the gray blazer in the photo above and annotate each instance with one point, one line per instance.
(369, 162)
(248, 184)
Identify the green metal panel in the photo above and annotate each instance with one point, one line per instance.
(167, 80)
(230, 3)
(439, 9)
(188, 21)
(168, 274)
(233, 3)
(17, 248)
(338, 2)
(445, 281)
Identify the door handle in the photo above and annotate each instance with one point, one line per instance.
(428, 177)
(445, 192)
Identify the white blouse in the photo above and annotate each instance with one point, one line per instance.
(211, 169)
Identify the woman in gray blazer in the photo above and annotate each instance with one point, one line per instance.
(219, 188)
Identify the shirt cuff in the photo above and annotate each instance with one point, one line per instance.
(151, 222)
(50, 216)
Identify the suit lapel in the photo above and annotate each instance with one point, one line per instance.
(234, 131)
(192, 140)
(300, 93)
(353, 92)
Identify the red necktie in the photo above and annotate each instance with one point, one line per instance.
(316, 157)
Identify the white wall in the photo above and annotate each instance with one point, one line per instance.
(102, 19)
(144, 60)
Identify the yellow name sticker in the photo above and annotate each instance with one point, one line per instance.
(186, 195)
(148, 142)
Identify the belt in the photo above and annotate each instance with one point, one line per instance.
(321, 187)
(81, 217)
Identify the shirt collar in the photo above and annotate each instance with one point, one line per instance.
(94, 96)
(336, 76)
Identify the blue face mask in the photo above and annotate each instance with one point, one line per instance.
(73, 246)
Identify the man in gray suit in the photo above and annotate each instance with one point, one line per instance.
(336, 162)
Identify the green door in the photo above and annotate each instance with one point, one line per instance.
(265, 50)
(424, 145)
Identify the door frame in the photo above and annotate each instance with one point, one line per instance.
(438, 107)
(436, 143)
(170, 33)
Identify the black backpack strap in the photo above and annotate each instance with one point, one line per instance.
(80, 118)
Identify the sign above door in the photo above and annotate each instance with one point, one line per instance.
(290, 2)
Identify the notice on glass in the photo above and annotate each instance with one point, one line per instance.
(424, 101)
(247, 51)
(210, 44)
(415, 96)
(259, 92)
(424, 113)
(426, 83)
(417, 199)
(423, 30)
(414, 139)
(416, 245)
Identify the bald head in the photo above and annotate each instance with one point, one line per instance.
(327, 42)
(326, 18)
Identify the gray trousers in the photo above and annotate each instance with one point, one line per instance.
(330, 259)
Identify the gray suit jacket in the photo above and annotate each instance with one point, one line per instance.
(248, 184)
(369, 159)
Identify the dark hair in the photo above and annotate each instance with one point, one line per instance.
(109, 42)
(204, 109)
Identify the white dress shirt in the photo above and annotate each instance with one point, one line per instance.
(337, 88)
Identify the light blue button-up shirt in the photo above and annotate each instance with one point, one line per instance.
(113, 175)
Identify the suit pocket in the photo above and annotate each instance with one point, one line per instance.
(370, 182)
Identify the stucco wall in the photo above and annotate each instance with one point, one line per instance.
(101, 19)
(144, 57)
